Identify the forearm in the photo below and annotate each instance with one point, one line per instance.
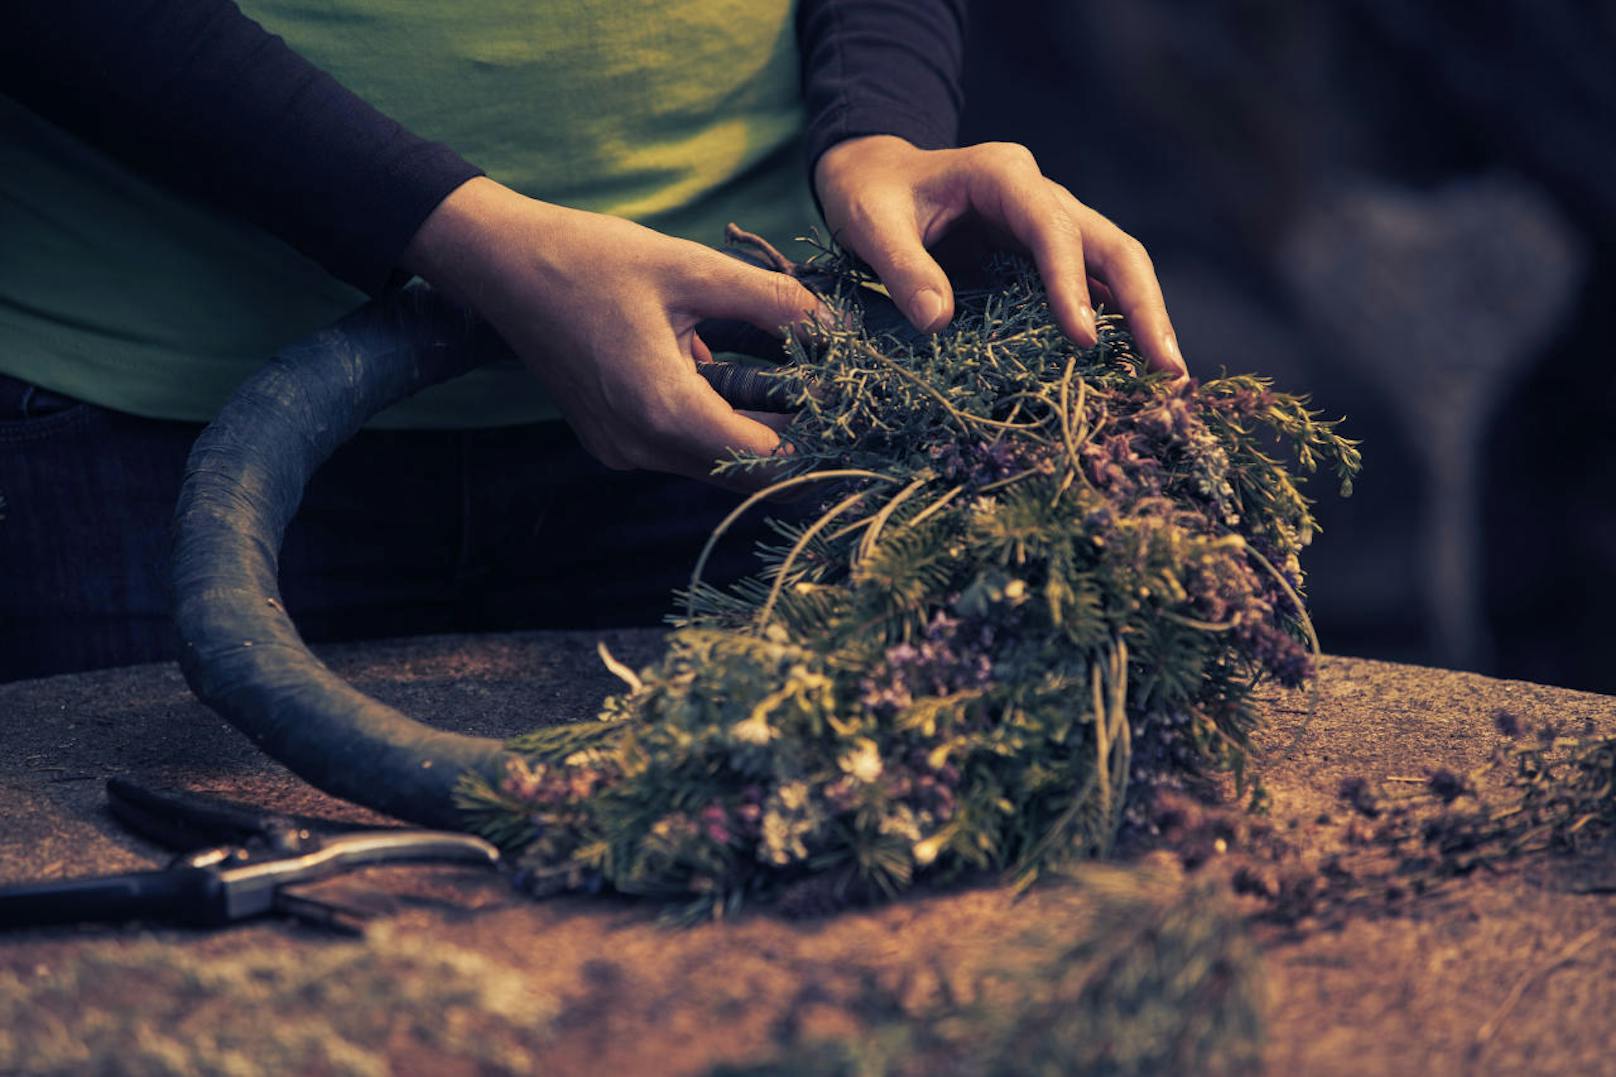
(202, 99)
(466, 247)
(882, 67)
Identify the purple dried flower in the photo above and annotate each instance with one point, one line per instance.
(1000, 458)
(978, 465)
(947, 659)
(715, 823)
(1286, 660)
(843, 793)
(1446, 786)
(1356, 792)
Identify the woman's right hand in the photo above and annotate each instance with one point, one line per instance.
(603, 311)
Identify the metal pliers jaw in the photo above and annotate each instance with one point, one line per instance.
(248, 864)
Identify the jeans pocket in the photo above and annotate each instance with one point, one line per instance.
(28, 411)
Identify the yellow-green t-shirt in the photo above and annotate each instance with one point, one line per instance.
(680, 115)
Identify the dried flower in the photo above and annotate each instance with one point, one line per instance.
(1041, 587)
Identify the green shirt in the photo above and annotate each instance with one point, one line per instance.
(682, 116)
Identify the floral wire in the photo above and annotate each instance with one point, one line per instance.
(790, 559)
(740, 510)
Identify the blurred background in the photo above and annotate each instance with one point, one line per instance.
(1407, 209)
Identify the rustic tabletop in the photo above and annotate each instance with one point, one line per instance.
(462, 974)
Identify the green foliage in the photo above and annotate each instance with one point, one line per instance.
(1147, 979)
(1041, 580)
(151, 1007)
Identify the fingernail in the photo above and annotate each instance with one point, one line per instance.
(831, 318)
(1086, 318)
(1170, 348)
(928, 308)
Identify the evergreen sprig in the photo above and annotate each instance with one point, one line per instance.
(1041, 580)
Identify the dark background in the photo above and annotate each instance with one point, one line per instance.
(1406, 208)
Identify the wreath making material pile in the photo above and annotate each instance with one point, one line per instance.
(1040, 583)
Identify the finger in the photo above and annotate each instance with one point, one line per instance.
(726, 288)
(774, 420)
(1123, 265)
(688, 427)
(717, 433)
(1101, 295)
(887, 236)
(1007, 191)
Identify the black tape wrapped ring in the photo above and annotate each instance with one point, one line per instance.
(243, 482)
(240, 652)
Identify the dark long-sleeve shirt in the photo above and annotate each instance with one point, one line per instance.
(202, 98)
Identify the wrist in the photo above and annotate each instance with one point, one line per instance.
(460, 245)
(839, 166)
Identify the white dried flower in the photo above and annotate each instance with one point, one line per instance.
(753, 729)
(863, 762)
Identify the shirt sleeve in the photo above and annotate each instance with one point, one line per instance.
(198, 96)
(882, 67)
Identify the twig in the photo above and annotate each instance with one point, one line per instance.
(618, 669)
(736, 236)
(1486, 1032)
(866, 545)
(961, 416)
(999, 484)
(768, 491)
(796, 549)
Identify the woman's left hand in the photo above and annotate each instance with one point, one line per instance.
(891, 203)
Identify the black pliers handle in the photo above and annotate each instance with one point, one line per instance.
(254, 857)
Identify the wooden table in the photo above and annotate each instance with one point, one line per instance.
(464, 973)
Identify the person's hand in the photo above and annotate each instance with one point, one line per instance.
(604, 312)
(892, 204)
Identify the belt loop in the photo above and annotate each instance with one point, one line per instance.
(26, 399)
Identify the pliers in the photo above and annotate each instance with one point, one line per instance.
(241, 864)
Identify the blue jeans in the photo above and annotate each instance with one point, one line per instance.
(401, 533)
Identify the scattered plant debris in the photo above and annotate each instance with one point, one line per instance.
(1151, 978)
(1550, 795)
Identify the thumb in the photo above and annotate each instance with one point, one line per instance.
(889, 241)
